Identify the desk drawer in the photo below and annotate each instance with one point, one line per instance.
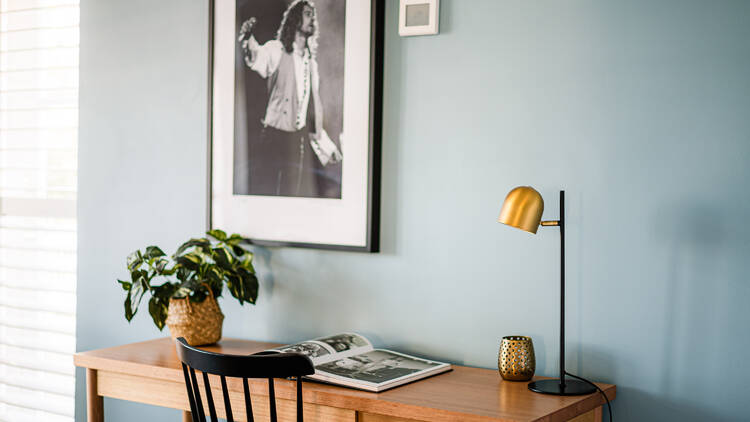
(592, 416)
(172, 394)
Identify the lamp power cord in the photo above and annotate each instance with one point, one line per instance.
(609, 406)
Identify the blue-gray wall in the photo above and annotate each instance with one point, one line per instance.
(639, 109)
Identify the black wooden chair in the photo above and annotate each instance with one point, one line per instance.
(260, 365)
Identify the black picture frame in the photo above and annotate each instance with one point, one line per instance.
(373, 195)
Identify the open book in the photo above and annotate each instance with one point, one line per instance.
(349, 359)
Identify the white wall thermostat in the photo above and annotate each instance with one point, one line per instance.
(418, 17)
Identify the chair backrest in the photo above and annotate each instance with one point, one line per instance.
(268, 365)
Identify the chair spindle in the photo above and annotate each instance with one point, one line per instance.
(248, 403)
(190, 393)
(272, 400)
(299, 399)
(210, 398)
(227, 404)
(197, 393)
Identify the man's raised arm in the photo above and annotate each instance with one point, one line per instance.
(247, 41)
(263, 59)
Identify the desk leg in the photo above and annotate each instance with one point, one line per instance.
(187, 416)
(598, 414)
(94, 402)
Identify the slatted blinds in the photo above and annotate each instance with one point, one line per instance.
(38, 165)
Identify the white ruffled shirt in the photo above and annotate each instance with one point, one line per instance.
(265, 61)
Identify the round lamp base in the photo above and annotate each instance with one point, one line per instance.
(572, 387)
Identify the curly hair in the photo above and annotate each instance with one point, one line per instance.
(291, 22)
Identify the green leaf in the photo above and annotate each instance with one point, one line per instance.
(158, 310)
(250, 286)
(134, 260)
(217, 234)
(243, 285)
(192, 284)
(202, 243)
(190, 261)
(128, 308)
(223, 258)
(215, 276)
(138, 276)
(234, 284)
(234, 240)
(160, 265)
(153, 252)
(139, 289)
(247, 263)
(239, 250)
(182, 293)
(126, 285)
(165, 291)
(183, 274)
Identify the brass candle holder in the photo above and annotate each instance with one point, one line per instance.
(516, 360)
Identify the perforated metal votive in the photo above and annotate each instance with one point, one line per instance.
(516, 360)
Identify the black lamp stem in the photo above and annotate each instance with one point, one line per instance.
(562, 289)
(560, 386)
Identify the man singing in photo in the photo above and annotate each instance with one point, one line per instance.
(294, 114)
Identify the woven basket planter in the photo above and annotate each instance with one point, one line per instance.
(200, 323)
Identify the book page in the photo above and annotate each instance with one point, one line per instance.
(326, 349)
(376, 368)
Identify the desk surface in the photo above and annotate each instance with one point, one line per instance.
(466, 394)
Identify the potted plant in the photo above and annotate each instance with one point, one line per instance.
(191, 281)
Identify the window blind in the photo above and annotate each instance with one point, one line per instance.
(38, 167)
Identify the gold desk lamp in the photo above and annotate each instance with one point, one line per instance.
(522, 209)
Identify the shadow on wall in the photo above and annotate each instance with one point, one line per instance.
(264, 255)
(636, 405)
(698, 233)
(287, 285)
(706, 290)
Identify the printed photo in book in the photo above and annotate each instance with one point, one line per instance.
(349, 359)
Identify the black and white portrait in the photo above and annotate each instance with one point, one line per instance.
(307, 348)
(376, 366)
(295, 121)
(343, 342)
(289, 90)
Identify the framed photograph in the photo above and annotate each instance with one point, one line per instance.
(418, 17)
(296, 106)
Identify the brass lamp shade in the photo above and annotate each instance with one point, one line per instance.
(522, 209)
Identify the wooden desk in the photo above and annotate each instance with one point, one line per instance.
(149, 372)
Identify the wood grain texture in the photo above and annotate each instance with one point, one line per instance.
(589, 416)
(466, 394)
(369, 417)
